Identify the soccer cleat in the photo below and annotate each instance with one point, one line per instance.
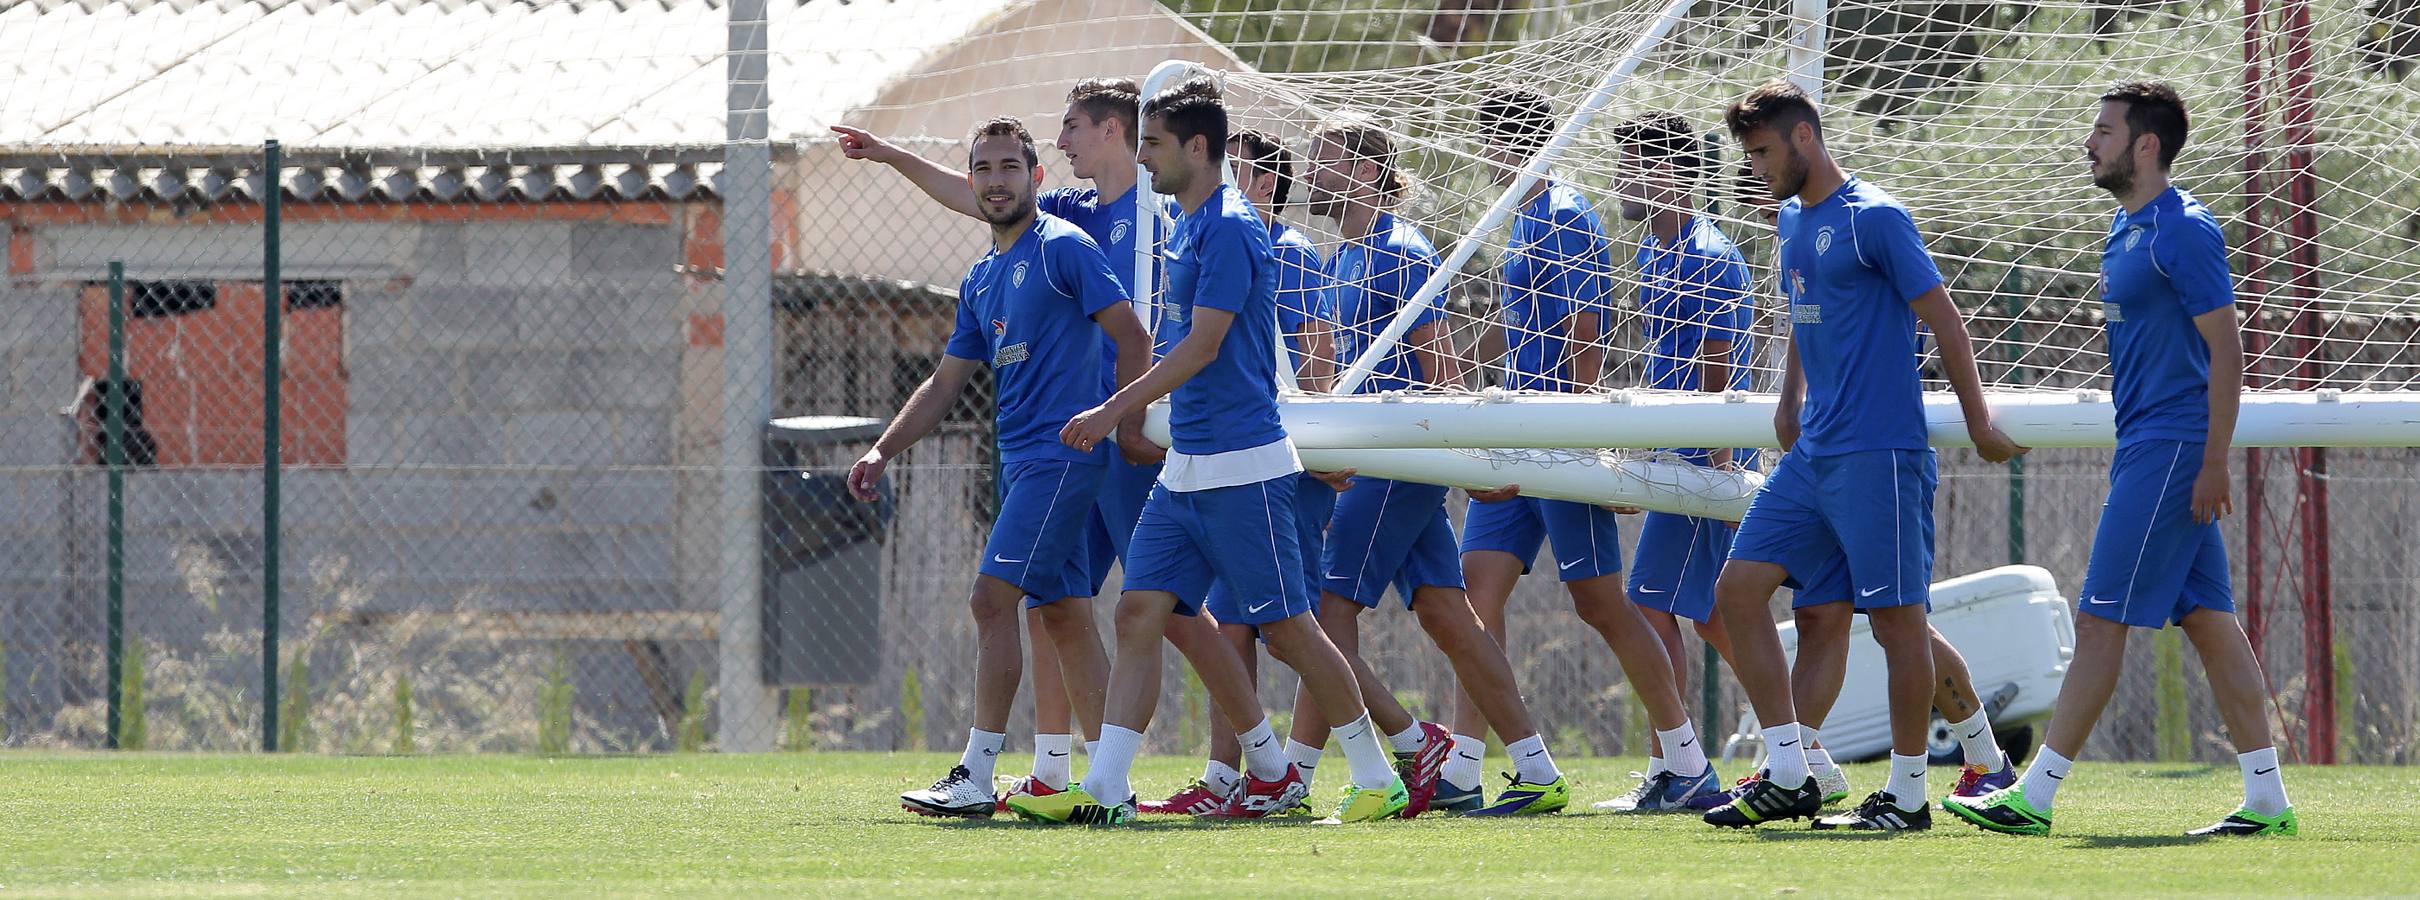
(956, 794)
(1073, 806)
(1522, 798)
(1974, 782)
(1420, 769)
(2005, 810)
(1197, 799)
(1667, 792)
(1259, 799)
(1629, 802)
(2246, 823)
(1764, 801)
(1454, 798)
(1026, 786)
(1879, 812)
(1719, 799)
(1361, 804)
(1835, 784)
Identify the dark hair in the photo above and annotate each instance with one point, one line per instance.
(1776, 104)
(2153, 108)
(1190, 110)
(1266, 154)
(1005, 126)
(1662, 136)
(1517, 117)
(1103, 99)
(1364, 141)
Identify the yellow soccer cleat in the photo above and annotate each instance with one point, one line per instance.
(1362, 804)
(1525, 799)
(1073, 806)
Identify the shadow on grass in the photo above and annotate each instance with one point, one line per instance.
(1151, 824)
(2180, 773)
(2135, 841)
(1808, 834)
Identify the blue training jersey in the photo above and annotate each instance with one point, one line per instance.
(1111, 225)
(1371, 277)
(1851, 265)
(2162, 266)
(1302, 288)
(1692, 290)
(1027, 312)
(1218, 257)
(1559, 264)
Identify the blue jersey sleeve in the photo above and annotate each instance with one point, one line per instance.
(1572, 277)
(1227, 268)
(1723, 304)
(1888, 241)
(1301, 289)
(966, 337)
(2193, 254)
(1060, 202)
(1078, 270)
(1403, 276)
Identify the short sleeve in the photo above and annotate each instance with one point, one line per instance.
(966, 337)
(1728, 312)
(1887, 240)
(1057, 202)
(1406, 270)
(1226, 267)
(1078, 270)
(2194, 256)
(1300, 293)
(1571, 266)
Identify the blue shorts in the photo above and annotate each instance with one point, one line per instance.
(1870, 510)
(1037, 541)
(1241, 536)
(1587, 538)
(1676, 562)
(1123, 489)
(2152, 564)
(1314, 501)
(1389, 534)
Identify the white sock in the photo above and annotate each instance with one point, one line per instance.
(1907, 781)
(1305, 758)
(1370, 767)
(2264, 789)
(1981, 749)
(982, 750)
(1052, 763)
(2043, 777)
(1686, 757)
(1655, 764)
(1462, 766)
(1092, 749)
(1531, 763)
(1263, 755)
(1222, 778)
(1409, 740)
(1819, 761)
(1785, 754)
(1106, 779)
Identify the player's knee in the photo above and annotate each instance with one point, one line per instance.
(1446, 617)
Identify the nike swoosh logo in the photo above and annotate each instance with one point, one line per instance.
(1651, 590)
(1058, 753)
(1005, 560)
(1788, 744)
(1263, 742)
(1536, 752)
(1874, 591)
(2264, 771)
(2096, 601)
(1567, 566)
(1688, 742)
(2054, 776)
(1978, 733)
(1468, 756)
(1263, 605)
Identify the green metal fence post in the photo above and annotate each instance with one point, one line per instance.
(113, 456)
(272, 326)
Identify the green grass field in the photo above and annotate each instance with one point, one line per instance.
(160, 825)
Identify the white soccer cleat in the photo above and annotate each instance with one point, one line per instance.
(956, 794)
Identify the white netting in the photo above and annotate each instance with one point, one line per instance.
(1972, 114)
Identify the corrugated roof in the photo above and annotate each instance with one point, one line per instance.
(431, 97)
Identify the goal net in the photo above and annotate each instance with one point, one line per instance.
(1973, 115)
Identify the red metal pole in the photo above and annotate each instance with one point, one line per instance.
(2318, 634)
(2256, 283)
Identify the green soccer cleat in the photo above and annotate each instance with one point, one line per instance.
(1527, 799)
(2246, 823)
(1073, 806)
(1361, 804)
(2005, 811)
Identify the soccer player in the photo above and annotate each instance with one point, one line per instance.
(1395, 534)
(1223, 507)
(1557, 274)
(1854, 488)
(1264, 173)
(1096, 134)
(1028, 310)
(2176, 360)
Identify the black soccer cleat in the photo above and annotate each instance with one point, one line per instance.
(1765, 801)
(1879, 812)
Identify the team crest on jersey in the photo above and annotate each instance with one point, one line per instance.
(2134, 236)
(1117, 235)
(1823, 241)
(1017, 276)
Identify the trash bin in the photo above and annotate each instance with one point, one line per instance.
(822, 554)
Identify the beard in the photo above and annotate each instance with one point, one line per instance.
(1170, 180)
(1326, 205)
(2117, 178)
(1018, 209)
(1786, 181)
